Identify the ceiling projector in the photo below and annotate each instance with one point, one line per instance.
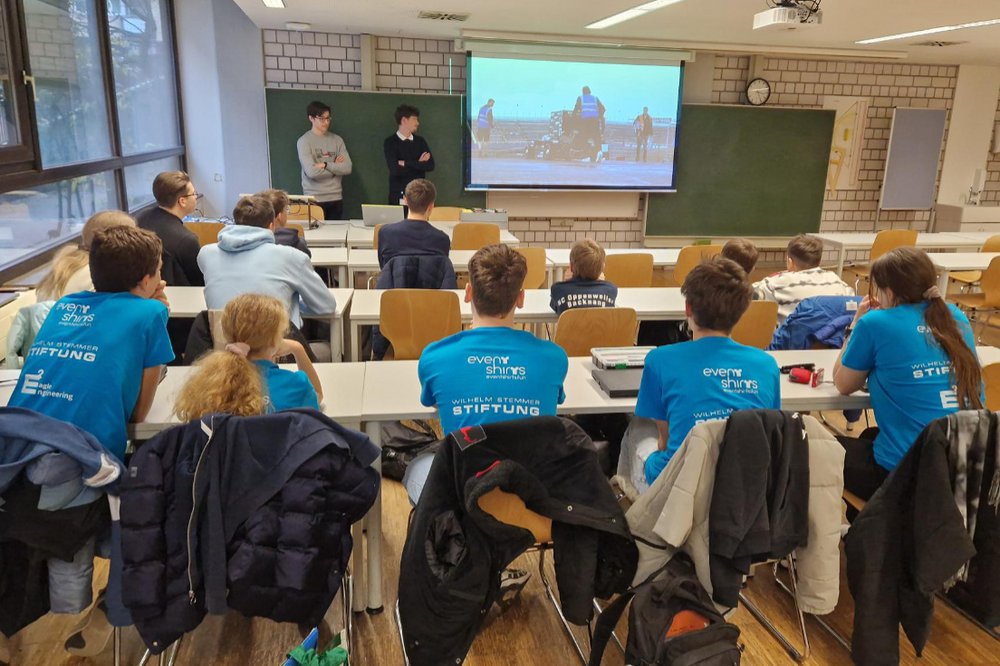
(789, 15)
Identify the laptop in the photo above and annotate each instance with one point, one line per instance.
(373, 214)
(619, 383)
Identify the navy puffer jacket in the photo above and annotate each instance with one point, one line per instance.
(250, 514)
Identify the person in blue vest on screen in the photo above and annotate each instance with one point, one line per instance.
(590, 112)
(484, 123)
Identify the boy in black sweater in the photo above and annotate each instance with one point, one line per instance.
(407, 155)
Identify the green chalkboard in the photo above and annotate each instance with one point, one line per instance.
(364, 120)
(745, 171)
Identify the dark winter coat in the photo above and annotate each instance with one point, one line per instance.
(251, 514)
(454, 551)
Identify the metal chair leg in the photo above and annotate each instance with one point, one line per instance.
(614, 635)
(173, 652)
(555, 603)
(766, 623)
(145, 658)
(402, 643)
(116, 637)
(347, 600)
(822, 623)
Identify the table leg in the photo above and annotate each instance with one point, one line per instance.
(359, 594)
(356, 343)
(336, 339)
(374, 527)
(943, 282)
(840, 261)
(342, 277)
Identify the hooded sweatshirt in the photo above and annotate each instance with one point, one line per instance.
(246, 260)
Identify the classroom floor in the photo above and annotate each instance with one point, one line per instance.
(529, 633)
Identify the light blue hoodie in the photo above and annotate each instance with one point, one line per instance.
(247, 261)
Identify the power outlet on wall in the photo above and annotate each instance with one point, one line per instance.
(217, 178)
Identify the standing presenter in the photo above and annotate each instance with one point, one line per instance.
(407, 155)
(324, 161)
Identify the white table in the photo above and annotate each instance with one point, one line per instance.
(844, 241)
(650, 304)
(558, 258)
(187, 302)
(946, 262)
(360, 236)
(332, 234)
(332, 257)
(979, 236)
(363, 261)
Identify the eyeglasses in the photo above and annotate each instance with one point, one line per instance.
(196, 195)
(322, 118)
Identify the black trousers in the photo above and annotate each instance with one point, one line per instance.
(332, 210)
(862, 475)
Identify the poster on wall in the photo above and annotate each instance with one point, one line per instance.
(848, 133)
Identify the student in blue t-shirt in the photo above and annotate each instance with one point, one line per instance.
(97, 359)
(583, 284)
(711, 376)
(243, 379)
(918, 356)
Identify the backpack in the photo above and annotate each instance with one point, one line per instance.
(670, 593)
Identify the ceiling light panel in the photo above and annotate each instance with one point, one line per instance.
(275, 4)
(929, 31)
(629, 14)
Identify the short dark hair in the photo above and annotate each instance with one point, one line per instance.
(420, 194)
(805, 251)
(254, 211)
(278, 198)
(718, 292)
(497, 274)
(121, 256)
(317, 109)
(742, 252)
(406, 111)
(169, 186)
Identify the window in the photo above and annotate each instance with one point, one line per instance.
(70, 103)
(142, 54)
(89, 114)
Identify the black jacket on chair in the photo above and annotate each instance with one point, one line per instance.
(454, 551)
(760, 501)
(251, 514)
(908, 540)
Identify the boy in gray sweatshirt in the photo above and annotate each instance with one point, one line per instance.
(324, 161)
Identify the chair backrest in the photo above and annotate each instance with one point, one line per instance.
(889, 239)
(991, 377)
(756, 327)
(446, 214)
(298, 229)
(375, 237)
(992, 244)
(207, 232)
(510, 509)
(300, 211)
(581, 329)
(474, 235)
(411, 319)
(535, 256)
(629, 270)
(215, 328)
(990, 284)
(690, 256)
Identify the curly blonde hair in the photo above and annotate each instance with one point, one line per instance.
(72, 258)
(226, 382)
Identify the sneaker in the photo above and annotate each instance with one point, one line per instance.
(92, 635)
(512, 581)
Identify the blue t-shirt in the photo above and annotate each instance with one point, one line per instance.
(909, 374)
(86, 364)
(580, 293)
(490, 374)
(702, 380)
(287, 389)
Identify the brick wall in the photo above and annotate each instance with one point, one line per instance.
(315, 60)
(403, 64)
(991, 189)
(51, 40)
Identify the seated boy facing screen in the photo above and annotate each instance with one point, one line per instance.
(803, 279)
(97, 359)
(743, 252)
(283, 235)
(711, 376)
(414, 235)
(583, 284)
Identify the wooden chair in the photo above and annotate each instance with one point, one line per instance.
(207, 232)
(411, 319)
(689, 257)
(987, 301)
(537, 273)
(298, 229)
(756, 327)
(885, 241)
(375, 237)
(446, 214)
(629, 270)
(309, 212)
(969, 278)
(991, 377)
(474, 235)
(581, 329)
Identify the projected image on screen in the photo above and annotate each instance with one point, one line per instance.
(582, 125)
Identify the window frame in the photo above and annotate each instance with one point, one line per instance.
(21, 165)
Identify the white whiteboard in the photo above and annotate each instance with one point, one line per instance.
(911, 165)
